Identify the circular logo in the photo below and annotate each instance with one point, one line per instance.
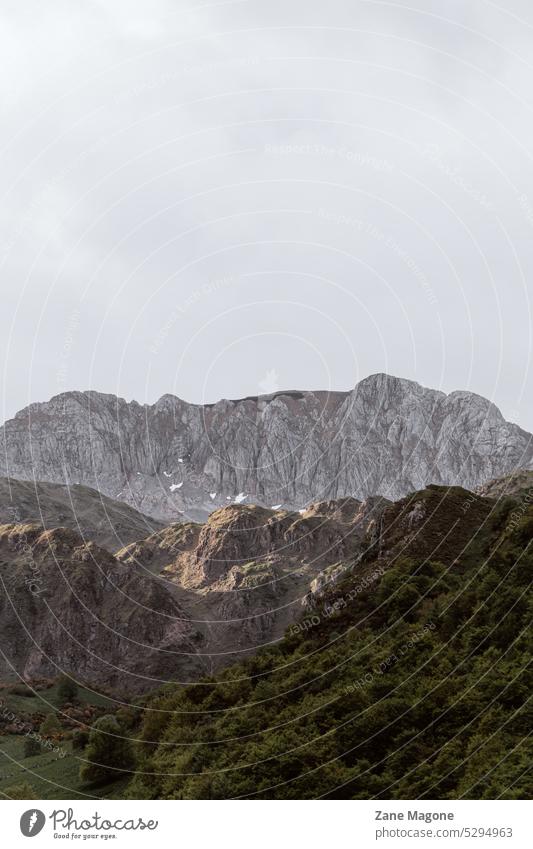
(32, 822)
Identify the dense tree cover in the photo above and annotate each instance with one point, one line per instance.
(412, 685)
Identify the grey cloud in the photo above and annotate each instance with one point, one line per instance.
(198, 197)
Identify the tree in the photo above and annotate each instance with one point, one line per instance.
(20, 791)
(67, 689)
(108, 752)
(32, 747)
(50, 726)
(80, 738)
(23, 689)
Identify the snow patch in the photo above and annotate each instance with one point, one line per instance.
(212, 495)
(167, 474)
(240, 498)
(173, 487)
(275, 506)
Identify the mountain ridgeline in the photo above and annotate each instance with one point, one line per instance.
(388, 436)
(97, 518)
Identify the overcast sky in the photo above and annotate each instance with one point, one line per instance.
(220, 199)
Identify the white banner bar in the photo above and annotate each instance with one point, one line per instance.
(268, 824)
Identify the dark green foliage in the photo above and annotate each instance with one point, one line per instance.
(32, 747)
(50, 726)
(417, 687)
(80, 738)
(108, 754)
(20, 791)
(23, 690)
(67, 689)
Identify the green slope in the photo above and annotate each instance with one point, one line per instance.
(410, 679)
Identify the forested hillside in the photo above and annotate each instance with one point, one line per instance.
(409, 678)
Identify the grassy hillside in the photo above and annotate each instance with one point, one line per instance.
(54, 772)
(50, 775)
(410, 679)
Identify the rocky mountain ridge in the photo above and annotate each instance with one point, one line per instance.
(388, 436)
(178, 604)
(244, 576)
(189, 599)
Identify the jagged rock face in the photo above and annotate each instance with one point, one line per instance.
(190, 599)
(237, 537)
(97, 518)
(243, 576)
(173, 606)
(388, 436)
(69, 606)
(156, 551)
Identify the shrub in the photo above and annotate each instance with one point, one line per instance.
(80, 738)
(67, 689)
(32, 747)
(22, 690)
(50, 727)
(20, 791)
